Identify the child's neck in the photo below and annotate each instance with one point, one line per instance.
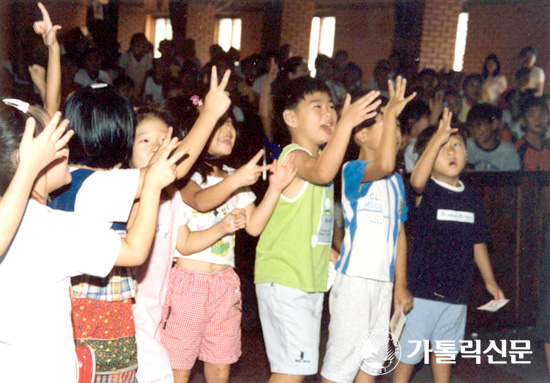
(94, 169)
(452, 181)
(311, 147)
(490, 144)
(367, 154)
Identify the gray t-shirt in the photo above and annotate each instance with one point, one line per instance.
(502, 158)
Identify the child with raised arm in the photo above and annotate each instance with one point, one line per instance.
(374, 252)
(292, 256)
(202, 314)
(50, 247)
(152, 125)
(35, 153)
(103, 123)
(450, 233)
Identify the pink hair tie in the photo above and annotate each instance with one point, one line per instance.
(196, 100)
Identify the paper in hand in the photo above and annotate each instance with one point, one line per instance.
(397, 323)
(493, 305)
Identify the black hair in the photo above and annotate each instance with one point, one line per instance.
(12, 126)
(528, 49)
(470, 78)
(288, 98)
(413, 111)
(483, 112)
(522, 73)
(529, 103)
(371, 121)
(103, 122)
(485, 72)
(182, 113)
(291, 65)
(427, 134)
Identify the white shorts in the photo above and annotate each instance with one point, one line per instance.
(291, 325)
(357, 305)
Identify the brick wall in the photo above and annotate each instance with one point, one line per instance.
(504, 29)
(296, 25)
(251, 37)
(201, 23)
(366, 34)
(131, 20)
(439, 33)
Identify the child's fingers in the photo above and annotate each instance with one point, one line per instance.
(52, 125)
(225, 79)
(178, 155)
(263, 168)
(28, 134)
(347, 102)
(391, 89)
(62, 141)
(45, 14)
(60, 130)
(371, 108)
(256, 157)
(213, 78)
(369, 98)
(411, 96)
(61, 153)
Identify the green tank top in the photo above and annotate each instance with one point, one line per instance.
(294, 248)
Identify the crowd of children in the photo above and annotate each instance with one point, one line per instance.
(128, 233)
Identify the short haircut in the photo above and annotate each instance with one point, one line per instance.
(470, 78)
(483, 112)
(12, 126)
(103, 122)
(529, 103)
(414, 111)
(367, 124)
(528, 49)
(427, 134)
(297, 89)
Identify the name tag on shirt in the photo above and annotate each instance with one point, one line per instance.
(455, 216)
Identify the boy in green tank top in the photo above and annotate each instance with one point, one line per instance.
(293, 253)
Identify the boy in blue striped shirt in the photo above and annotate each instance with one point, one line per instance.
(374, 251)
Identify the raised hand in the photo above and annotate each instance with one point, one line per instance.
(162, 171)
(436, 106)
(397, 96)
(361, 110)
(217, 99)
(273, 71)
(249, 173)
(444, 130)
(284, 174)
(35, 153)
(234, 221)
(38, 74)
(46, 28)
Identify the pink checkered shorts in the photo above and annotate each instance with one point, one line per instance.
(201, 318)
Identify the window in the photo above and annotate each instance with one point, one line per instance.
(163, 30)
(321, 40)
(229, 33)
(460, 45)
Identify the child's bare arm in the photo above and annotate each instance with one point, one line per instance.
(135, 247)
(190, 242)
(384, 164)
(35, 153)
(481, 258)
(216, 103)
(322, 169)
(423, 168)
(213, 196)
(52, 98)
(257, 217)
(401, 297)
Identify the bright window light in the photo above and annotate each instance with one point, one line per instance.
(163, 31)
(321, 40)
(460, 45)
(229, 33)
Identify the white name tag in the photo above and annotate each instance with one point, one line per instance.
(455, 216)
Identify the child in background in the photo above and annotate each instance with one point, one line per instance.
(172, 231)
(292, 256)
(486, 152)
(59, 245)
(374, 252)
(414, 119)
(202, 314)
(450, 233)
(103, 124)
(473, 91)
(534, 148)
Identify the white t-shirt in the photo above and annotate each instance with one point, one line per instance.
(153, 89)
(50, 246)
(107, 196)
(536, 76)
(223, 251)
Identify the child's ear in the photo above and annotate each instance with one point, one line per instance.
(290, 118)
(362, 135)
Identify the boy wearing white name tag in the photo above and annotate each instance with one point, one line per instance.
(450, 234)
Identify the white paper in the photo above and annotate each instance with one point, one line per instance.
(397, 323)
(494, 305)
